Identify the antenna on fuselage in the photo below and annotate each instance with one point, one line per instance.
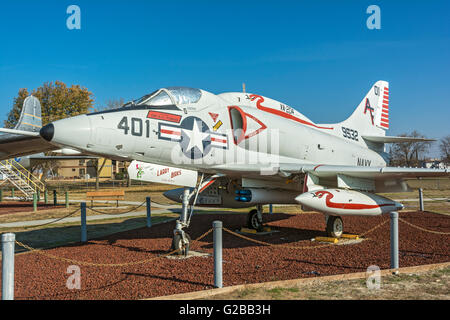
(243, 87)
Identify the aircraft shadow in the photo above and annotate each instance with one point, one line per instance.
(113, 234)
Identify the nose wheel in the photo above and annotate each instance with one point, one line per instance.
(181, 242)
(335, 227)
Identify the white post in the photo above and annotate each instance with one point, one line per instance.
(421, 206)
(394, 240)
(8, 246)
(217, 239)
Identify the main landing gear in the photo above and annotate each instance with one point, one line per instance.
(335, 226)
(254, 218)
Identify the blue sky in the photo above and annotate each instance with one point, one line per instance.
(316, 56)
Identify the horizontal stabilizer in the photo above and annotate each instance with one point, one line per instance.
(390, 139)
(20, 132)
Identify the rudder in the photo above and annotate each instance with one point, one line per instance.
(371, 117)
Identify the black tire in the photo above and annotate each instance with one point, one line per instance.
(253, 222)
(177, 244)
(335, 227)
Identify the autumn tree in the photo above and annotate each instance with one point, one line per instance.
(57, 102)
(409, 153)
(14, 114)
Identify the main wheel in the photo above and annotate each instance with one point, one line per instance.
(177, 244)
(253, 221)
(335, 227)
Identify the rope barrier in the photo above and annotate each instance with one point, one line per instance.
(274, 245)
(295, 247)
(423, 229)
(93, 264)
(48, 255)
(374, 228)
(117, 213)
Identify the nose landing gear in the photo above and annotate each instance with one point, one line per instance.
(181, 241)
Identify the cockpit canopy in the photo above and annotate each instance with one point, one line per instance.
(171, 96)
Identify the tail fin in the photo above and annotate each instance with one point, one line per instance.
(30, 117)
(371, 117)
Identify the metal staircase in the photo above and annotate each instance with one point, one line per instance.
(21, 178)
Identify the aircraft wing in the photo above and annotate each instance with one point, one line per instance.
(80, 157)
(17, 144)
(330, 171)
(375, 179)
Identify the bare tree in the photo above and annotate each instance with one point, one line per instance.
(44, 167)
(444, 145)
(409, 153)
(98, 169)
(110, 105)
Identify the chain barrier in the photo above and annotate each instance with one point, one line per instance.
(423, 229)
(59, 219)
(116, 213)
(93, 264)
(437, 199)
(162, 204)
(47, 223)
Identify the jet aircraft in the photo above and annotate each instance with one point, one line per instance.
(238, 149)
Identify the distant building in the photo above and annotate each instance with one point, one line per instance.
(82, 168)
(434, 164)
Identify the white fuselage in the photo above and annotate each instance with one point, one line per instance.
(218, 129)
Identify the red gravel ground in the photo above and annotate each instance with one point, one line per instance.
(40, 277)
(7, 207)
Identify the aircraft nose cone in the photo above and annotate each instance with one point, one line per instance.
(74, 132)
(47, 132)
